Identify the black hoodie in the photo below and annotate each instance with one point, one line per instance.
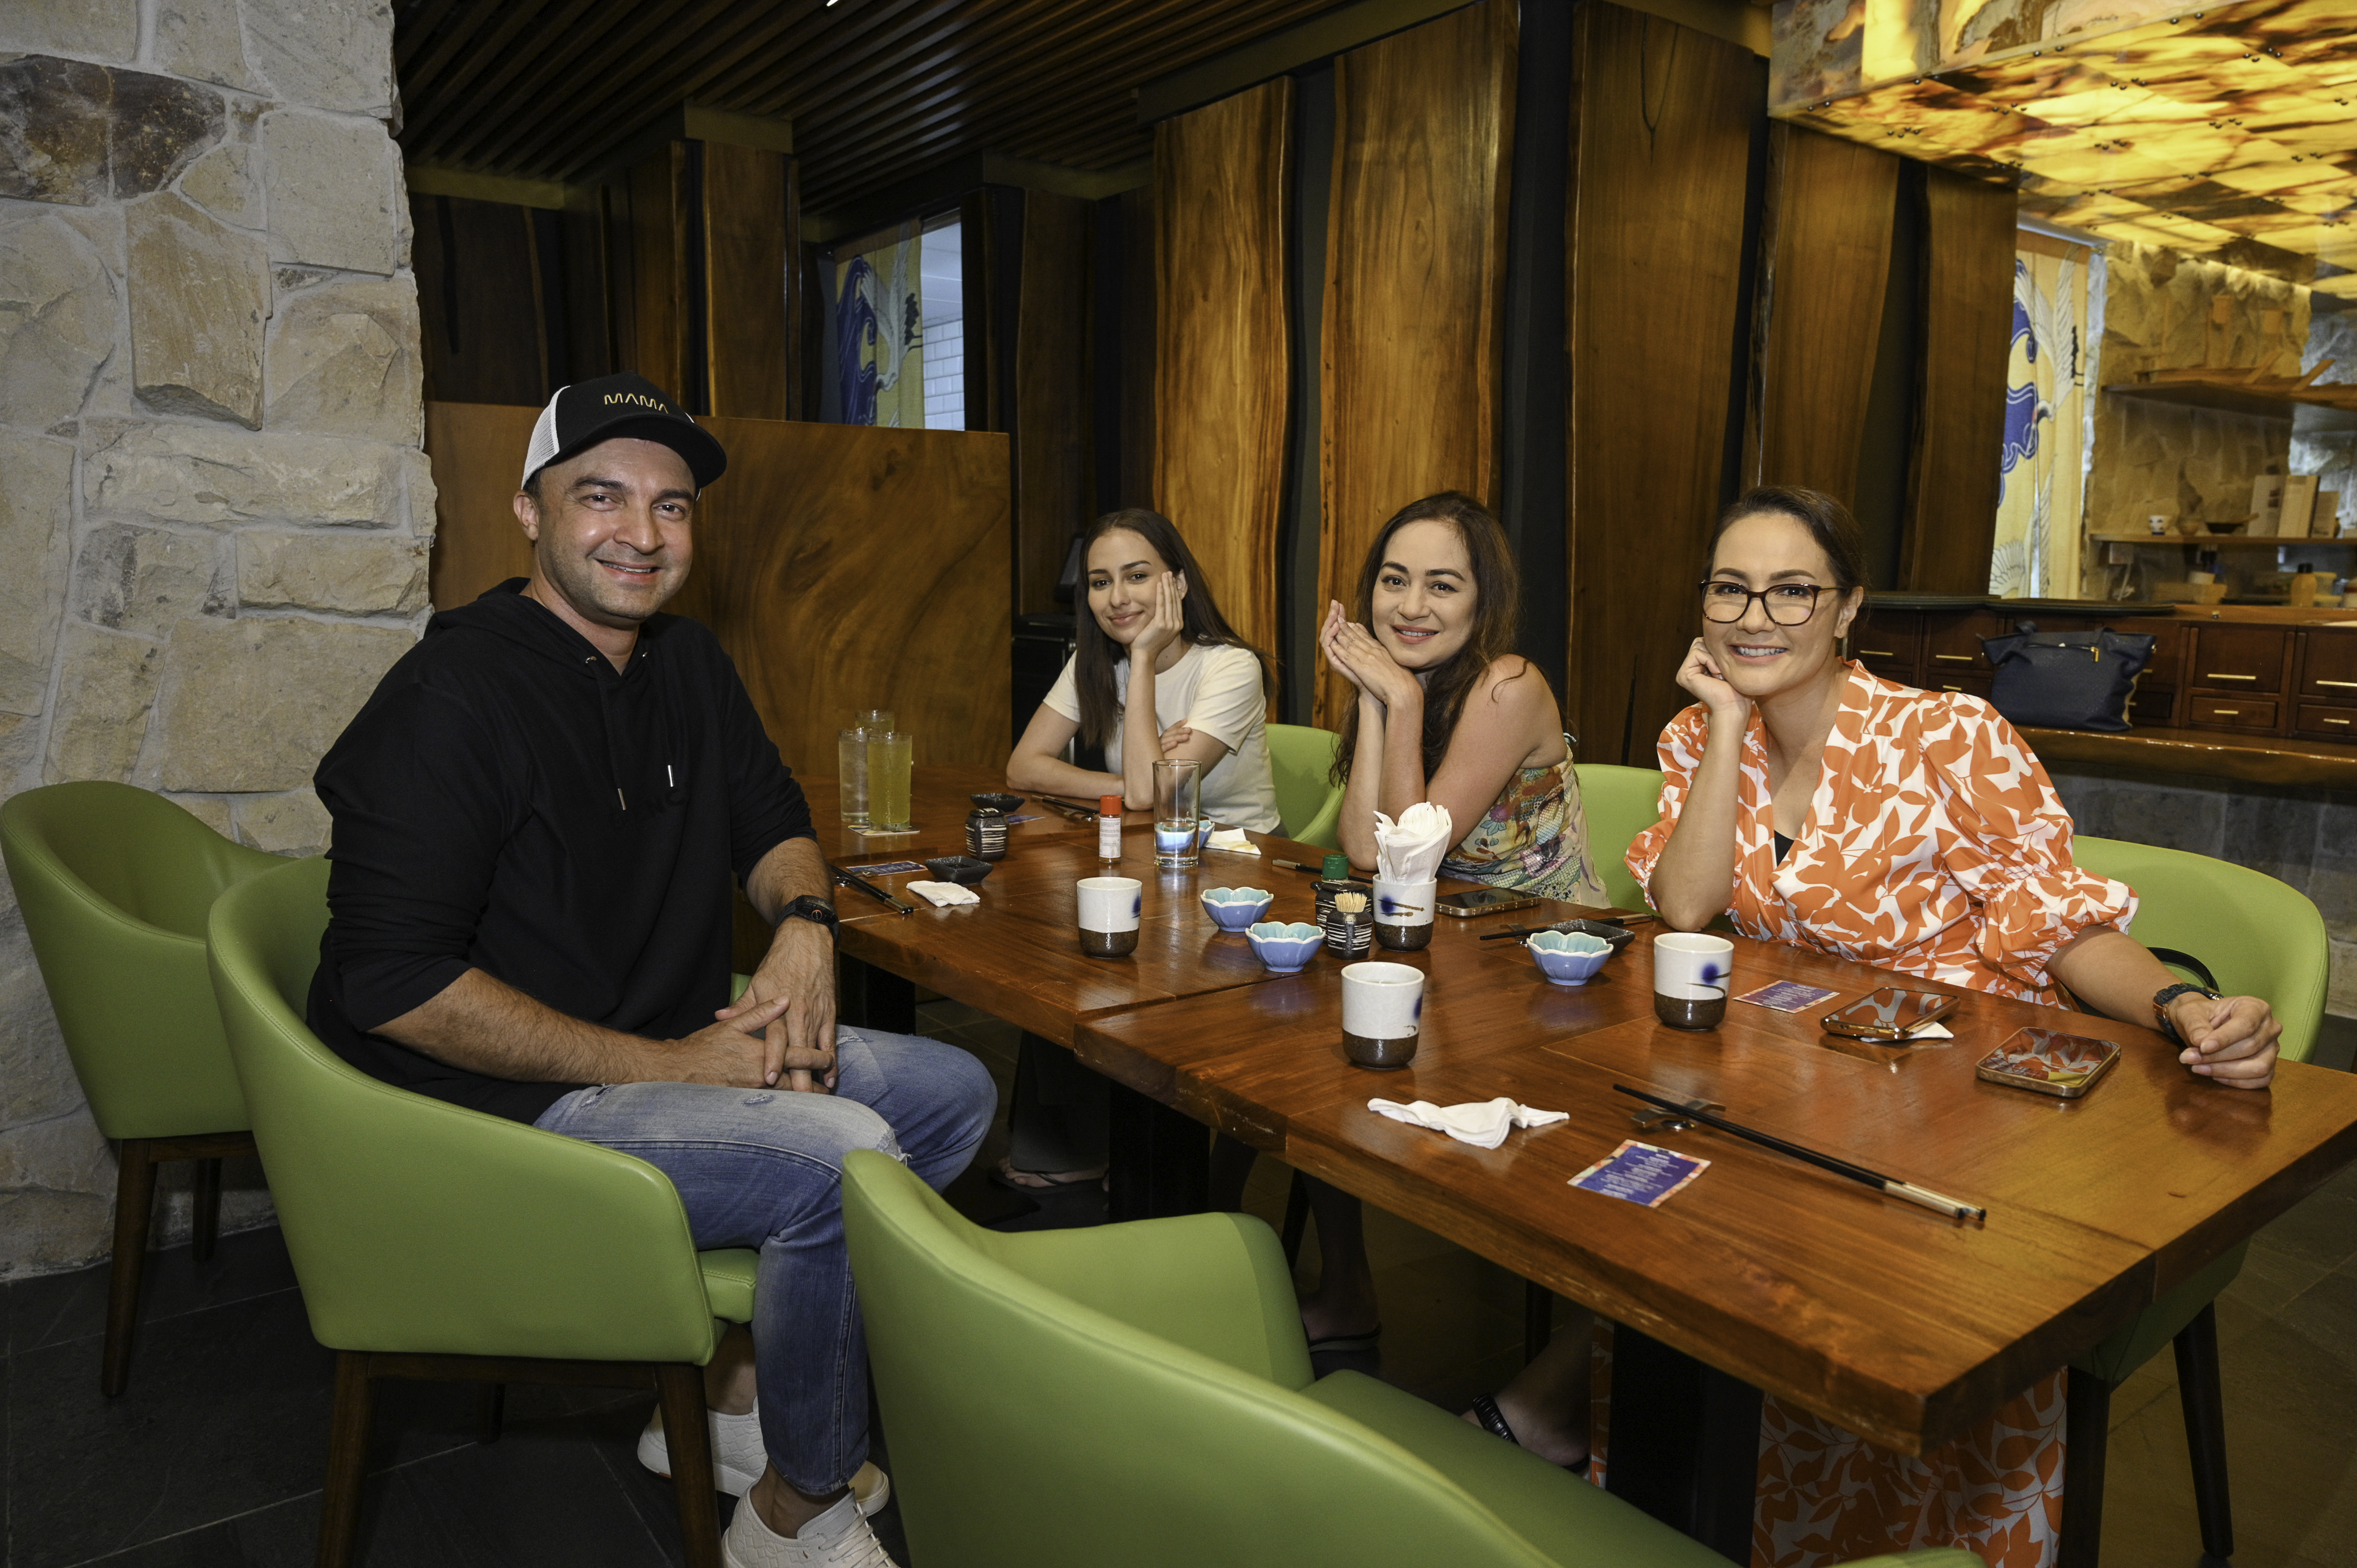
(507, 801)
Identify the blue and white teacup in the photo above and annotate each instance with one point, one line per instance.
(1110, 908)
(1690, 971)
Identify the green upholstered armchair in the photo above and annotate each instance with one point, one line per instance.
(1157, 1370)
(2258, 938)
(114, 883)
(1621, 804)
(434, 1241)
(1308, 803)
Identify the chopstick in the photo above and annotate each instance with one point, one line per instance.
(1297, 865)
(1950, 1206)
(1076, 814)
(1514, 931)
(848, 880)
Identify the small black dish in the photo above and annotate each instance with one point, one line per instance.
(1619, 936)
(1005, 803)
(962, 869)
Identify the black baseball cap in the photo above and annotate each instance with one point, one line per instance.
(583, 414)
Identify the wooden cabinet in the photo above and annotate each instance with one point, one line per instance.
(2322, 721)
(2231, 713)
(2254, 659)
(1952, 639)
(1887, 641)
(2328, 665)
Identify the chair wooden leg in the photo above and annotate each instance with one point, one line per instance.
(1538, 1318)
(491, 1412)
(682, 1390)
(1297, 1218)
(2086, 1434)
(2205, 1428)
(348, 1437)
(134, 1203)
(204, 1211)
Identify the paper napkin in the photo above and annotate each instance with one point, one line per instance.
(1483, 1125)
(1233, 840)
(1409, 850)
(940, 893)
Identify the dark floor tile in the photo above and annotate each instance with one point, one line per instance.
(2284, 1479)
(2322, 1228)
(285, 1535)
(2325, 1316)
(55, 1308)
(226, 1413)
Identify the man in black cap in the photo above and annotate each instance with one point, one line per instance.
(537, 815)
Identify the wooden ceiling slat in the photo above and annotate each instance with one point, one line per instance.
(788, 38)
(876, 91)
(416, 31)
(495, 138)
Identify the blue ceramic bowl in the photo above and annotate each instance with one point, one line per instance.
(1286, 947)
(1568, 958)
(1233, 908)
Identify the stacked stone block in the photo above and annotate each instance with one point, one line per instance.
(214, 510)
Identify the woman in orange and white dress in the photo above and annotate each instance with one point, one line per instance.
(1816, 804)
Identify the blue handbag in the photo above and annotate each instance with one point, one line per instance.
(2066, 679)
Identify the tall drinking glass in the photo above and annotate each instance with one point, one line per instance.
(890, 753)
(851, 771)
(1177, 795)
(877, 719)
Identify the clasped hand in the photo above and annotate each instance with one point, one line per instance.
(1701, 675)
(782, 1030)
(1367, 665)
(2231, 1040)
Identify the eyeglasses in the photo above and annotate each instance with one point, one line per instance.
(1787, 604)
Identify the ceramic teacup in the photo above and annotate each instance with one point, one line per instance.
(1690, 971)
(1382, 1014)
(1110, 907)
(1404, 914)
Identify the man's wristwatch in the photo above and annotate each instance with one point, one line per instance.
(816, 910)
(2169, 994)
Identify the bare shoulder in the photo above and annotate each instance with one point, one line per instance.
(1516, 686)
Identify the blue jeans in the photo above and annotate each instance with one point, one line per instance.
(763, 1168)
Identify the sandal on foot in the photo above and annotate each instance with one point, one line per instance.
(1006, 1175)
(1493, 1420)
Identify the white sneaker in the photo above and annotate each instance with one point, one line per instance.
(738, 1458)
(839, 1537)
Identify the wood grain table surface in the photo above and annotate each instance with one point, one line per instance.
(1901, 1326)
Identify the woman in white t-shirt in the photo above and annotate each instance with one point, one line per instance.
(1160, 676)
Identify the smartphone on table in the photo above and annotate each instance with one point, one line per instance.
(1890, 1014)
(1483, 901)
(2047, 1061)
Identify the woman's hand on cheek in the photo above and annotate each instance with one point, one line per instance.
(1700, 675)
(2232, 1040)
(1371, 666)
(1164, 622)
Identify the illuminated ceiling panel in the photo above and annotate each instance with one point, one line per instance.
(2228, 131)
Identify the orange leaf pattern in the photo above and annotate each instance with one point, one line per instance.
(1935, 843)
(1935, 847)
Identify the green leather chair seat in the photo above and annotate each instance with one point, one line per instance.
(1308, 804)
(728, 1274)
(1621, 804)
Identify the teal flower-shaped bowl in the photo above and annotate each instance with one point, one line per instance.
(1233, 908)
(1568, 958)
(1285, 948)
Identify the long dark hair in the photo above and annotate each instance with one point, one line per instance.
(1200, 620)
(1497, 619)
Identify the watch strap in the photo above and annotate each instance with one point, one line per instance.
(2169, 994)
(816, 910)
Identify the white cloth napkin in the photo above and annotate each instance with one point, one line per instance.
(1483, 1125)
(1410, 849)
(1233, 840)
(941, 893)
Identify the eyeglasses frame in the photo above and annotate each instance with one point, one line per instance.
(1816, 593)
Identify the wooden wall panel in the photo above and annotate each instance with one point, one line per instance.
(1662, 128)
(1416, 246)
(748, 235)
(1223, 361)
(1137, 352)
(479, 313)
(1960, 406)
(476, 453)
(842, 567)
(646, 232)
(1827, 252)
(1055, 488)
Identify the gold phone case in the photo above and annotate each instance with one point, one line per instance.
(2047, 1061)
(1487, 906)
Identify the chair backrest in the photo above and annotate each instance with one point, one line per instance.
(2258, 936)
(1621, 804)
(1308, 803)
(115, 883)
(420, 1226)
(1163, 1454)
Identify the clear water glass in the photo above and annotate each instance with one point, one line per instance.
(1177, 817)
(877, 719)
(891, 756)
(851, 772)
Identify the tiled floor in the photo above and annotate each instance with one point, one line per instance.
(212, 1460)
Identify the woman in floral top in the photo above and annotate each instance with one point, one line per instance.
(1816, 804)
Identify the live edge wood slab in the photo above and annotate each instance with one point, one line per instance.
(1900, 1326)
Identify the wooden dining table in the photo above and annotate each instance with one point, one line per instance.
(1764, 1274)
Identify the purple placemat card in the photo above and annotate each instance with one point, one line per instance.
(1641, 1173)
(1786, 996)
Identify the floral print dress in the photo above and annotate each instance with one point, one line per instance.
(1534, 838)
(1935, 847)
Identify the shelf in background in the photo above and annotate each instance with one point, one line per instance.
(2208, 753)
(2310, 409)
(2214, 539)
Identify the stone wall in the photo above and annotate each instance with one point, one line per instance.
(216, 513)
